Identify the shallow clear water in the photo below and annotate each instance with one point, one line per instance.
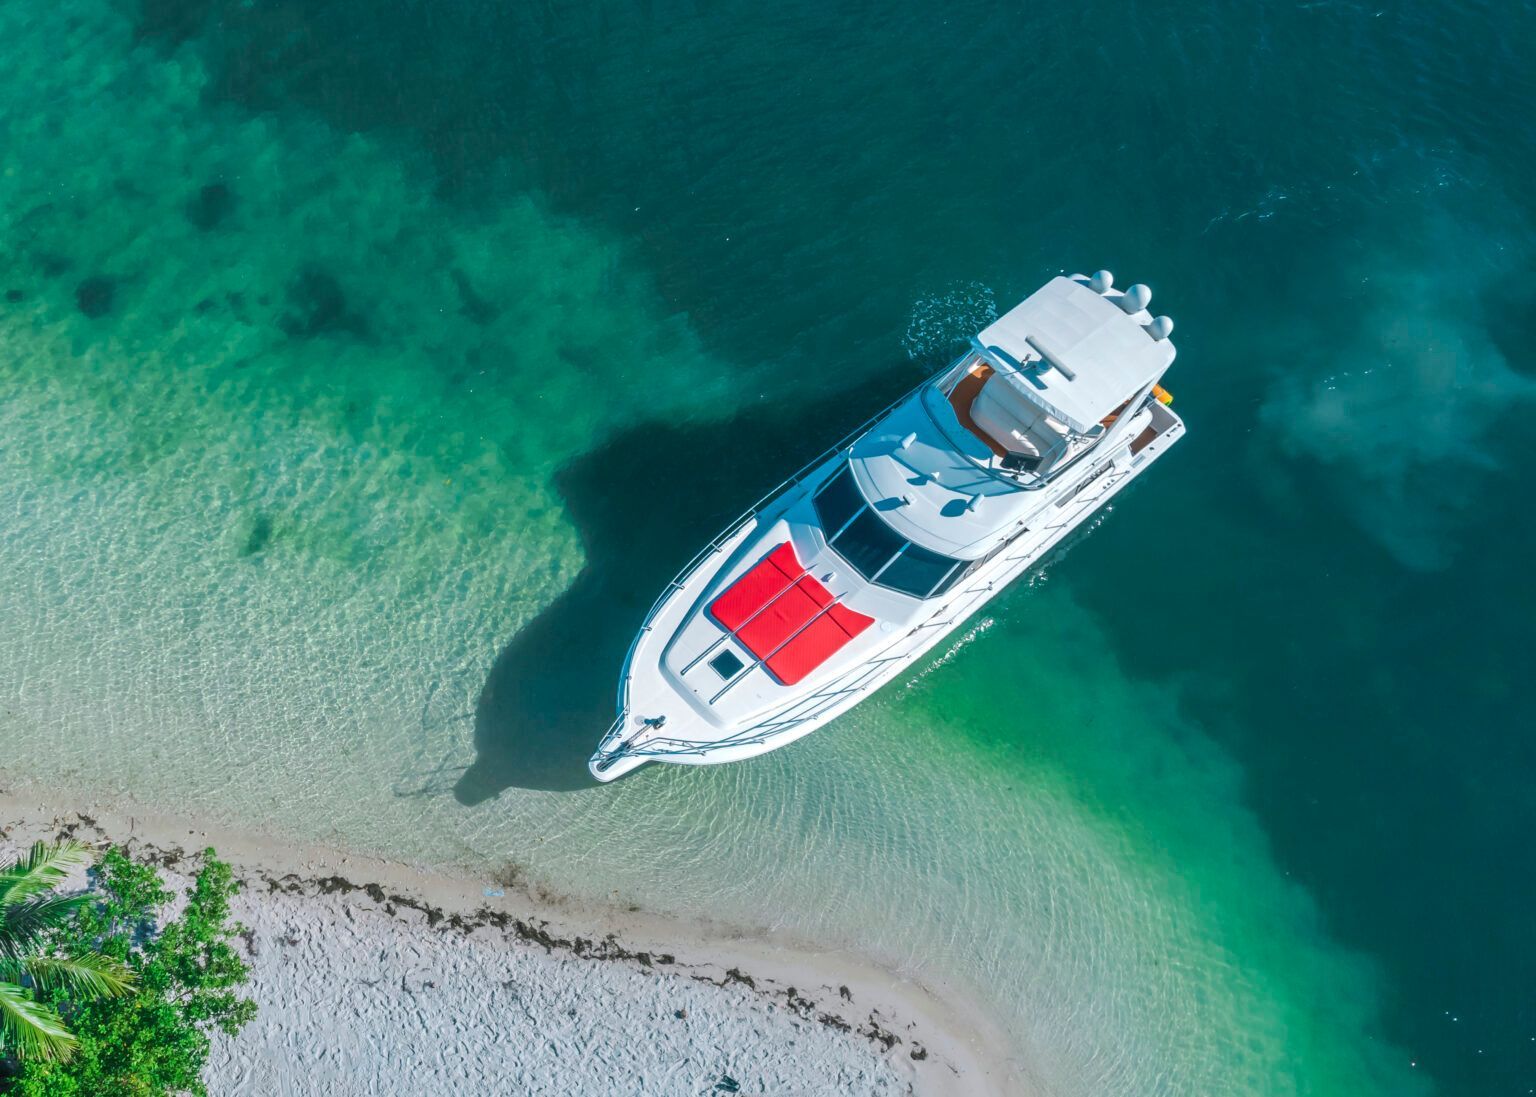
(367, 369)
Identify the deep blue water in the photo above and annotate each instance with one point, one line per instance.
(1332, 200)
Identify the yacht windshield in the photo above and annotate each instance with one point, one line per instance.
(874, 549)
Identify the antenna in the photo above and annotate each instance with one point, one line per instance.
(1049, 360)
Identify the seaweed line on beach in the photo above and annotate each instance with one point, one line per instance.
(532, 932)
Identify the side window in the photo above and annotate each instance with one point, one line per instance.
(837, 501)
(967, 568)
(918, 572)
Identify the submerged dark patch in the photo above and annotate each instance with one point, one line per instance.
(260, 538)
(53, 264)
(95, 295)
(208, 209)
(477, 308)
(317, 305)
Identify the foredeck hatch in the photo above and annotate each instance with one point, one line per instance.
(785, 617)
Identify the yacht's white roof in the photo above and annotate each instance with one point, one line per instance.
(1110, 355)
(922, 489)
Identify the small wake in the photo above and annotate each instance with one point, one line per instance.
(941, 323)
(966, 639)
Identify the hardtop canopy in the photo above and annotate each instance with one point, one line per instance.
(1099, 356)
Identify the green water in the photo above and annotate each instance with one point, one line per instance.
(367, 369)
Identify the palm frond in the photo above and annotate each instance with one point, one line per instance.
(23, 926)
(29, 1029)
(41, 869)
(89, 975)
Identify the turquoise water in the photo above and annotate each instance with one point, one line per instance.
(367, 368)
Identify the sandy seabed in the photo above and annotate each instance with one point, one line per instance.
(377, 977)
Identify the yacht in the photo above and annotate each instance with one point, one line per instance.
(847, 573)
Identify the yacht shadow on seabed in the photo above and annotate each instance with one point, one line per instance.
(644, 503)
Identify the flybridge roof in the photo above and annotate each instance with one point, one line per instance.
(1100, 356)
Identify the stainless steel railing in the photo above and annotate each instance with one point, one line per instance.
(709, 550)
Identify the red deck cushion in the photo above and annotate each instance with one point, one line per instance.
(779, 618)
(747, 595)
(816, 643)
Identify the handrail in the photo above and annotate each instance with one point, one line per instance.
(1037, 482)
(681, 580)
(762, 660)
(757, 733)
(730, 634)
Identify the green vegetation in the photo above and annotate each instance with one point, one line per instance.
(176, 986)
(41, 963)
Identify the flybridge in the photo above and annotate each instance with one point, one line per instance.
(1079, 349)
(1063, 373)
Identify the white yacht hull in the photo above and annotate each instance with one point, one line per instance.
(643, 677)
(851, 572)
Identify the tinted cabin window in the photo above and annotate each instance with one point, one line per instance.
(868, 544)
(918, 571)
(875, 550)
(838, 501)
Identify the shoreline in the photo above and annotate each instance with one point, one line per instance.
(936, 1040)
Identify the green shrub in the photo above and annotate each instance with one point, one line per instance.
(36, 960)
(154, 1040)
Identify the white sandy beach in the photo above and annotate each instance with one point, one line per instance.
(375, 977)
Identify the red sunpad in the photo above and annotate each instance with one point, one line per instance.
(792, 625)
(765, 581)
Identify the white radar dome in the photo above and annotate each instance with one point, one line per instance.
(1135, 298)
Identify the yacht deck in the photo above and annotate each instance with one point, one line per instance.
(964, 394)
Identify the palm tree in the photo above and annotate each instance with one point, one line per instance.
(30, 961)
